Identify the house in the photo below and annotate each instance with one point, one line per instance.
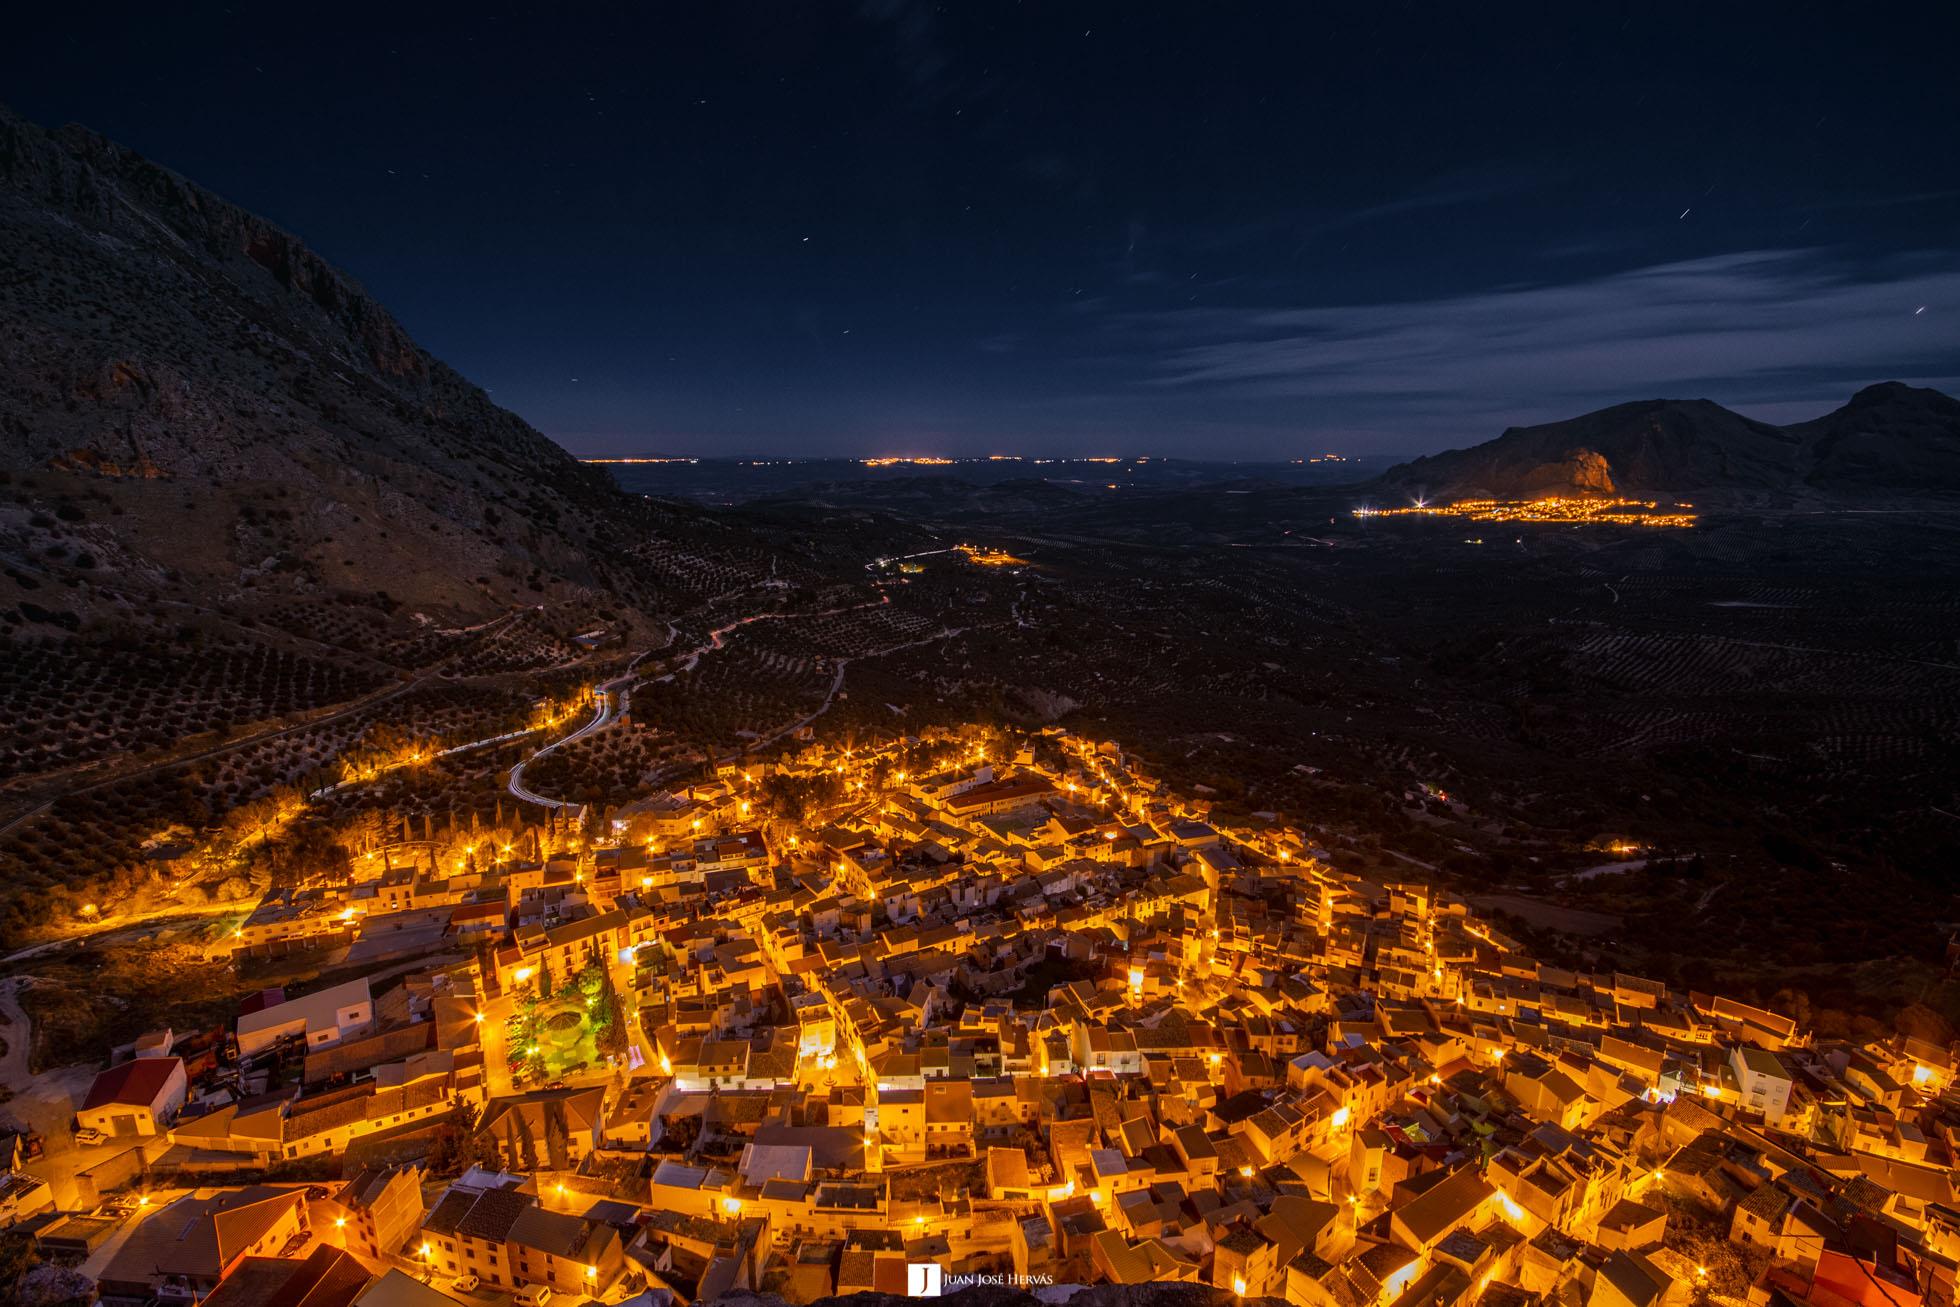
(326, 1277)
(328, 1122)
(1148, 1261)
(1632, 1225)
(550, 1129)
(400, 1289)
(322, 1019)
(1627, 1279)
(192, 1245)
(1245, 1262)
(135, 1099)
(1457, 1202)
(375, 1213)
(1762, 1081)
(508, 1241)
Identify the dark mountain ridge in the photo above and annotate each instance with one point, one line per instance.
(1890, 437)
(228, 411)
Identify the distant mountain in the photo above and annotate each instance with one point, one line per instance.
(1889, 437)
(207, 411)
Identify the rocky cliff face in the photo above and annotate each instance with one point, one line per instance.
(1890, 437)
(224, 403)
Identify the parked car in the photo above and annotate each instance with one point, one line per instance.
(89, 1137)
(532, 1295)
(464, 1283)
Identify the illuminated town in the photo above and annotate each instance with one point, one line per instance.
(986, 557)
(1049, 655)
(997, 1002)
(1552, 508)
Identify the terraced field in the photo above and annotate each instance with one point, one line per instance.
(76, 702)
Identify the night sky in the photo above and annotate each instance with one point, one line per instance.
(1195, 229)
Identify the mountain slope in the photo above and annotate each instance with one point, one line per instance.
(232, 417)
(1647, 447)
(1889, 437)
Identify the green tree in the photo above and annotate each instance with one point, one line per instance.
(485, 1152)
(609, 1020)
(446, 1151)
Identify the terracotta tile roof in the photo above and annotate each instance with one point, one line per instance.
(133, 1084)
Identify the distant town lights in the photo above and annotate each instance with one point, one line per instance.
(1551, 508)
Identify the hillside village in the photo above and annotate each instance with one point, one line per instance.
(1004, 1005)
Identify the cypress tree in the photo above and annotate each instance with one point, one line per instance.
(557, 1143)
(527, 1143)
(612, 1039)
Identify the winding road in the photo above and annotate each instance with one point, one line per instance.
(614, 695)
(611, 704)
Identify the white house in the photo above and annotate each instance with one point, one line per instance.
(136, 1098)
(325, 1019)
(1763, 1081)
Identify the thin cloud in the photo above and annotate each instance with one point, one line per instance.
(1774, 325)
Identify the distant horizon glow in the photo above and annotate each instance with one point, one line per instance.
(1774, 412)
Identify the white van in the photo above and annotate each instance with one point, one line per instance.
(532, 1295)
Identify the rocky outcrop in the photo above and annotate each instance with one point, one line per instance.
(1582, 472)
